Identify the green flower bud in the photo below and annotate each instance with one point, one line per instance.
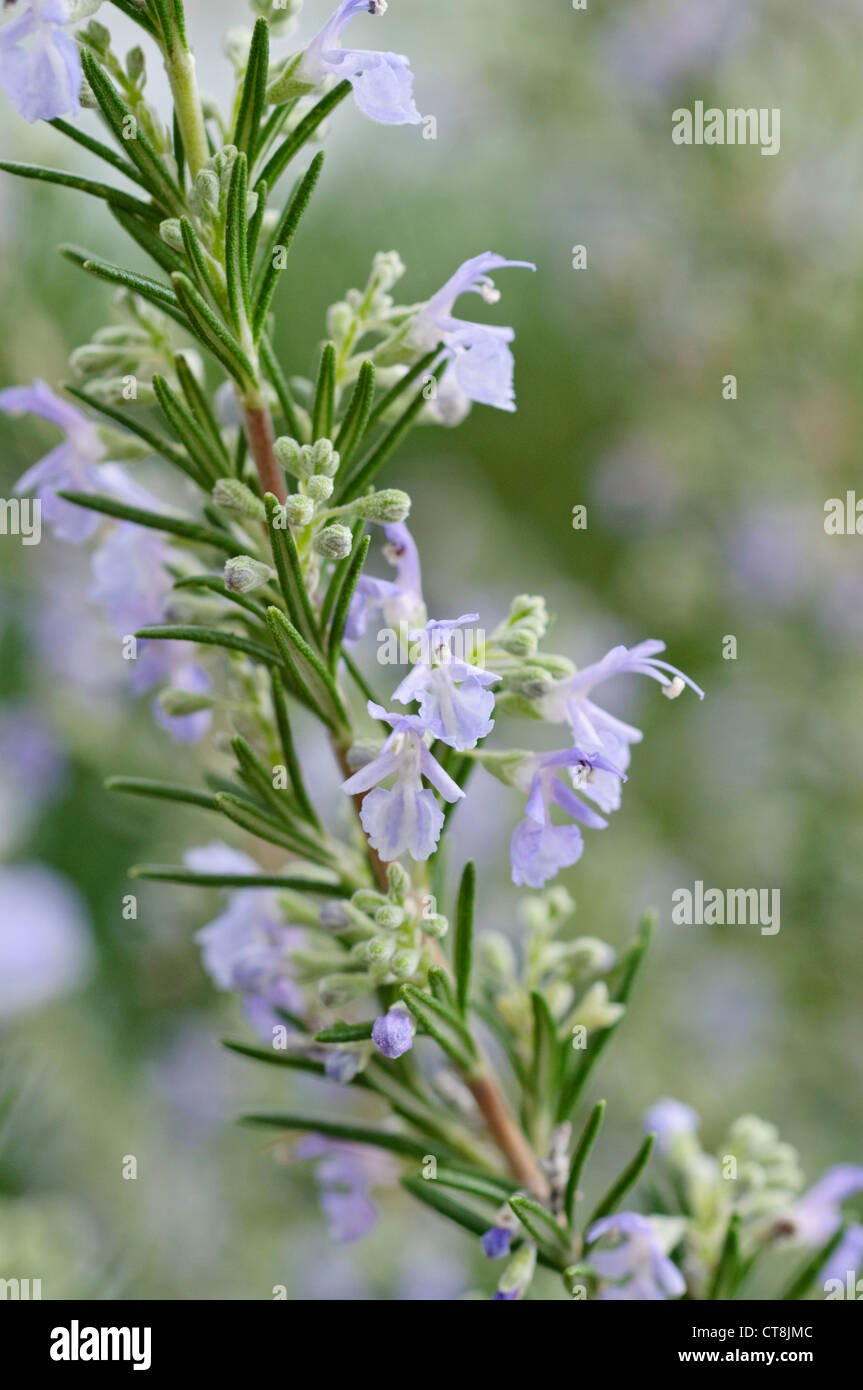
(320, 488)
(243, 574)
(233, 496)
(405, 963)
(97, 358)
(435, 925)
(596, 1010)
(95, 36)
(519, 1272)
(298, 510)
(390, 916)
(207, 189)
(387, 268)
(368, 900)
(497, 955)
(223, 164)
(334, 542)
(399, 879)
(380, 950)
(136, 65)
(177, 703)
(390, 505)
(125, 390)
(171, 234)
(293, 457)
(324, 457)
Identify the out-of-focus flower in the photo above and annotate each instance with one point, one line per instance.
(670, 1120)
(454, 704)
(45, 948)
(496, 1242)
(31, 765)
(72, 465)
(817, 1215)
(40, 65)
(398, 601)
(665, 42)
(345, 1175)
(393, 1032)
(406, 819)
(382, 82)
(846, 1258)
(247, 948)
(481, 360)
(539, 848)
(637, 1267)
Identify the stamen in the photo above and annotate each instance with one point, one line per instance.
(490, 293)
(676, 687)
(377, 6)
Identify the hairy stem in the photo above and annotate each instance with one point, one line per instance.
(260, 436)
(180, 67)
(507, 1134)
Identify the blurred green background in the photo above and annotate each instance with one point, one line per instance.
(705, 519)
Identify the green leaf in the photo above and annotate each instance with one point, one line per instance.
(403, 384)
(236, 246)
(215, 584)
(346, 1032)
(334, 1129)
(279, 161)
(580, 1157)
(121, 121)
(252, 101)
(155, 293)
(356, 417)
(631, 965)
(269, 828)
(196, 256)
(212, 332)
(443, 1024)
(292, 763)
(539, 1223)
(161, 791)
(256, 221)
(157, 443)
(96, 147)
(382, 451)
(149, 241)
(325, 394)
(199, 404)
(289, 571)
(171, 873)
(274, 1058)
(541, 1091)
(308, 672)
(495, 1190)
(441, 986)
(156, 521)
(346, 593)
(724, 1276)
(805, 1277)
(208, 637)
(463, 946)
(426, 1191)
(281, 388)
(281, 240)
(135, 12)
(115, 196)
(197, 444)
(628, 1178)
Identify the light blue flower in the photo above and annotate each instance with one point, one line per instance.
(40, 65)
(45, 943)
(670, 1120)
(637, 1268)
(481, 360)
(539, 848)
(817, 1215)
(406, 819)
(72, 465)
(454, 704)
(382, 82)
(393, 1032)
(398, 601)
(345, 1175)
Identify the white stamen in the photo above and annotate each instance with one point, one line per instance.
(377, 6)
(490, 293)
(398, 743)
(676, 688)
(582, 773)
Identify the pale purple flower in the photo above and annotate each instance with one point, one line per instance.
(345, 1174)
(539, 848)
(40, 65)
(31, 766)
(637, 1268)
(670, 1120)
(846, 1259)
(45, 945)
(496, 1242)
(406, 819)
(247, 948)
(398, 601)
(393, 1032)
(72, 465)
(818, 1213)
(481, 360)
(382, 82)
(454, 704)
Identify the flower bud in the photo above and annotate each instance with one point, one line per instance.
(299, 510)
(243, 574)
(380, 950)
(206, 193)
(393, 1032)
(387, 268)
(405, 963)
(177, 703)
(334, 542)
(293, 457)
(369, 900)
(390, 916)
(398, 877)
(389, 505)
(233, 496)
(320, 488)
(435, 925)
(171, 234)
(324, 457)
